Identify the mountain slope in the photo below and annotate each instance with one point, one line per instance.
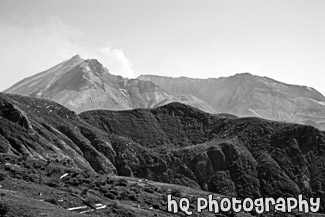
(175, 143)
(86, 85)
(47, 131)
(188, 100)
(244, 157)
(248, 95)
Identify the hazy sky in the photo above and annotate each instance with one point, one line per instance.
(281, 39)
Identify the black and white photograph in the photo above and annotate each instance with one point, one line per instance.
(158, 108)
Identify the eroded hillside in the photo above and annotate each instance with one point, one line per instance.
(175, 143)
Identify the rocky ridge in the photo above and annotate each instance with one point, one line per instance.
(249, 95)
(82, 85)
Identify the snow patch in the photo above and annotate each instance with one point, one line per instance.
(273, 84)
(255, 113)
(124, 92)
(32, 84)
(319, 102)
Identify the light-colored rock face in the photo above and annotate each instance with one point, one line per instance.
(82, 85)
(248, 95)
(189, 100)
(77, 84)
(86, 85)
(38, 84)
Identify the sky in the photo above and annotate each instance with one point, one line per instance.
(280, 39)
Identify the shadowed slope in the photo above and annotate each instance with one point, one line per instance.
(175, 143)
(246, 157)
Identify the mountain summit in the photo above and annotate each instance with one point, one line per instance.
(83, 85)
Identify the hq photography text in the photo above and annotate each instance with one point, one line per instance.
(260, 205)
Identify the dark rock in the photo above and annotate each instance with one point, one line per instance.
(221, 182)
(14, 114)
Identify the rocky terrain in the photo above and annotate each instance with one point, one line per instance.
(130, 160)
(249, 95)
(188, 100)
(242, 156)
(82, 85)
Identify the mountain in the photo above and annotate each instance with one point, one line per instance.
(45, 130)
(250, 95)
(82, 85)
(243, 157)
(86, 85)
(175, 143)
(40, 141)
(188, 100)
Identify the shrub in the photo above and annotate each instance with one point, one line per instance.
(3, 209)
(176, 193)
(149, 189)
(51, 200)
(53, 183)
(133, 197)
(55, 172)
(3, 176)
(122, 182)
(109, 195)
